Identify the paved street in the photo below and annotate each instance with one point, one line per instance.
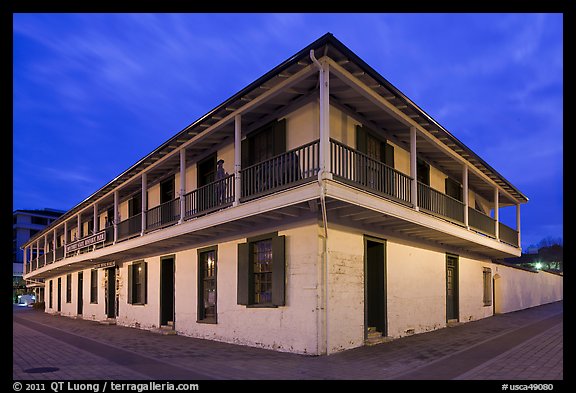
(522, 346)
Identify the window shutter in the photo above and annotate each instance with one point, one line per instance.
(453, 188)
(389, 155)
(243, 296)
(361, 143)
(145, 283)
(278, 270)
(130, 279)
(279, 129)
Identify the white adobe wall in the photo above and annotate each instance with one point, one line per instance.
(516, 289)
(291, 328)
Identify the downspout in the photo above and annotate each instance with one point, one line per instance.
(322, 186)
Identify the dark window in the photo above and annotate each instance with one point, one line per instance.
(167, 190)
(137, 282)
(261, 271)
(453, 189)
(487, 278)
(33, 232)
(264, 143)
(39, 220)
(110, 217)
(423, 172)
(207, 269)
(94, 286)
(135, 205)
(69, 288)
(374, 146)
(207, 170)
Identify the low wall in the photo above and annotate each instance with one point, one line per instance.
(516, 288)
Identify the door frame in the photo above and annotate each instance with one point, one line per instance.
(456, 283)
(171, 257)
(110, 297)
(80, 295)
(384, 317)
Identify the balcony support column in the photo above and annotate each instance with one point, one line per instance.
(144, 202)
(65, 238)
(413, 169)
(45, 249)
(79, 227)
(24, 260)
(518, 223)
(324, 153)
(182, 184)
(115, 216)
(496, 224)
(54, 243)
(96, 223)
(37, 252)
(465, 194)
(237, 158)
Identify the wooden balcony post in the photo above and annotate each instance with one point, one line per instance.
(465, 194)
(79, 230)
(182, 184)
(413, 169)
(518, 223)
(144, 203)
(496, 224)
(115, 216)
(24, 260)
(65, 242)
(324, 153)
(96, 223)
(237, 158)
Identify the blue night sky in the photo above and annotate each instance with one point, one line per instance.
(94, 93)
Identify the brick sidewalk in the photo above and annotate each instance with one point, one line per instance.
(89, 350)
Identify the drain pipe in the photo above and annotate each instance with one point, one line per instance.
(322, 187)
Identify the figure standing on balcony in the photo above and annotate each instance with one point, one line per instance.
(220, 184)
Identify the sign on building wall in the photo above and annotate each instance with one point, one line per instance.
(86, 242)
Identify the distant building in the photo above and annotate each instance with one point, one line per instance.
(25, 224)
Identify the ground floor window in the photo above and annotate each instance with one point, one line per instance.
(137, 283)
(51, 289)
(261, 271)
(207, 270)
(487, 276)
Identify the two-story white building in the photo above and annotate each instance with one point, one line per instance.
(316, 210)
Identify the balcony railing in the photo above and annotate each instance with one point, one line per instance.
(210, 197)
(282, 171)
(163, 215)
(507, 234)
(59, 253)
(297, 166)
(352, 166)
(481, 222)
(130, 227)
(440, 204)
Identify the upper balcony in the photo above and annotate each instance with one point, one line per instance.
(168, 199)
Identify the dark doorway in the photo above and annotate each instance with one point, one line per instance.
(111, 292)
(206, 175)
(451, 287)
(80, 297)
(167, 291)
(59, 294)
(375, 291)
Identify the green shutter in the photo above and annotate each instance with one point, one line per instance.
(279, 129)
(243, 274)
(278, 270)
(130, 279)
(361, 143)
(389, 155)
(453, 188)
(145, 283)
